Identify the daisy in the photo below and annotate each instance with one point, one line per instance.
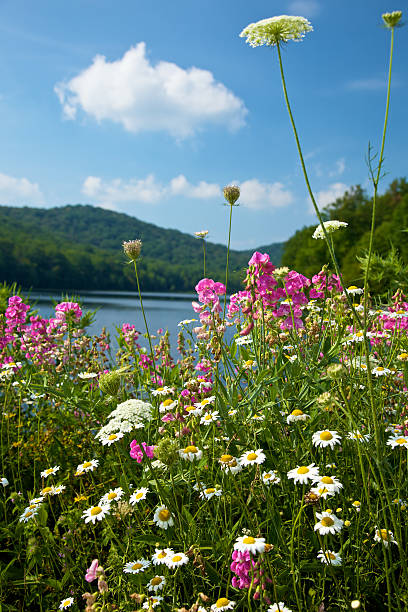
(66, 603)
(163, 391)
(229, 463)
(384, 536)
(36, 500)
(58, 489)
(28, 514)
(191, 453)
(176, 560)
(223, 604)
(138, 495)
(322, 491)
(152, 602)
(112, 438)
(329, 557)
(353, 290)
(248, 543)
(210, 492)
(209, 418)
(232, 412)
(328, 523)
(95, 513)
(87, 466)
(297, 415)
(380, 371)
(398, 441)
(112, 496)
(193, 410)
(205, 402)
(163, 517)
(167, 405)
(50, 471)
(270, 477)
(47, 491)
(186, 322)
(161, 555)
(278, 607)
(302, 474)
(87, 375)
(251, 457)
(326, 438)
(330, 482)
(258, 417)
(356, 435)
(156, 583)
(135, 567)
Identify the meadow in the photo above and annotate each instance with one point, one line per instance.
(268, 472)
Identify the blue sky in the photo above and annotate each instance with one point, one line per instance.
(151, 107)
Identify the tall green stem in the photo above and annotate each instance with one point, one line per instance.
(227, 264)
(145, 321)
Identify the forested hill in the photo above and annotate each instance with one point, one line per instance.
(80, 247)
(390, 263)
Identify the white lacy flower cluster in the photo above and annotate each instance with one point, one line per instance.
(330, 227)
(129, 415)
(274, 30)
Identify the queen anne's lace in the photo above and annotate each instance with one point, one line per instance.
(274, 30)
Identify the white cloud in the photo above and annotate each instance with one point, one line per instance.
(180, 186)
(145, 97)
(339, 168)
(19, 191)
(260, 196)
(370, 84)
(305, 8)
(107, 193)
(329, 195)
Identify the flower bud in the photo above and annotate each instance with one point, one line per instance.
(132, 249)
(391, 19)
(231, 194)
(109, 383)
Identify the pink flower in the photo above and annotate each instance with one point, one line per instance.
(137, 453)
(91, 571)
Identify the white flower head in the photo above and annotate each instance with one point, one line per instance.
(96, 513)
(398, 441)
(209, 417)
(270, 478)
(113, 495)
(330, 227)
(209, 492)
(87, 466)
(28, 514)
(384, 536)
(275, 30)
(110, 439)
(156, 583)
(4, 481)
(357, 435)
(66, 603)
(223, 603)
(50, 471)
(329, 557)
(163, 517)
(152, 602)
(328, 523)
(304, 473)
(248, 543)
(279, 607)
(326, 438)
(191, 453)
(135, 567)
(138, 496)
(253, 457)
(228, 463)
(176, 559)
(297, 415)
(161, 555)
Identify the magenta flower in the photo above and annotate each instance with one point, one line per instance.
(137, 453)
(91, 571)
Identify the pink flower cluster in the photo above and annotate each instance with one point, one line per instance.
(68, 309)
(325, 285)
(242, 565)
(137, 453)
(209, 308)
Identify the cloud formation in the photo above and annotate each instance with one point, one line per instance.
(145, 97)
(19, 191)
(329, 195)
(261, 196)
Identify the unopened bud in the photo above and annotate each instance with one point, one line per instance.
(231, 194)
(132, 249)
(109, 383)
(392, 19)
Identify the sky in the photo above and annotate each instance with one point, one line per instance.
(150, 108)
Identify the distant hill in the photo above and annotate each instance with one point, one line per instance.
(80, 247)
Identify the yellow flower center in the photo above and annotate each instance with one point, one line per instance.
(303, 470)
(297, 412)
(49, 471)
(384, 534)
(139, 495)
(112, 437)
(223, 601)
(226, 458)
(327, 480)
(331, 556)
(29, 513)
(207, 417)
(161, 555)
(156, 580)
(210, 490)
(352, 288)
(167, 402)
(266, 476)
(326, 435)
(87, 464)
(112, 495)
(359, 334)
(401, 440)
(137, 566)
(96, 510)
(327, 521)
(252, 456)
(32, 506)
(164, 514)
(189, 408)
(176, 558)
(248, 540)
(46, 490)
(403, 356)
(380, 368)
(159, 388)
(191, 449)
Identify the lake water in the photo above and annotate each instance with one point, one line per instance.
(163, 310)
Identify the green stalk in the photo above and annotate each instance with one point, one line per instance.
(145, 321)
(227, 264)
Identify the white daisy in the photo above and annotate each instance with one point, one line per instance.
(135, 567)
(297, 415)
(279, 607)
(58, 489)
(398, 441)
(357, 435)
(353, 290)
(191, 453)
(113, 495)
(50, 471)
(87, 466)
(138, 495)
(47, 491)
(229, 463)
(209, 418)
(163, 391)
(205, 402)
(163, 517)
(193, 410)
(384, 536)
(4, 481)
(248, 543)
(156, 583)
(28, 514)
(223, 603)
(95, 513)
(176, 560)
(328, 523)
(326, 438)
(36, 500)
(112, 438)
(186, 322)
(329, 482)
(210, 492)
(87, 375)
(380, 371)
(161, 555)
(66, 603)
(304, 473)
(167, 405)
(152, 602)
(253, 457)
(329, 557)
(270, 477)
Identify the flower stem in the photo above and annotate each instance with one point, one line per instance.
(145, 321)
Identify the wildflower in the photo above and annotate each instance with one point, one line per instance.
(231, 194)
(112, 496)
(356, 435)
(87, 375)
(168, 404)
(391, 20)
(137, 453)
(135, 567)
(96, 513)
(297, 415)
(132, 249)
(253, 457)
(191, 453)
(192, 410)
(243, 340)
(58, 489)
(279, 607)
(330, 227)
(163, 391)
(380, 371)
(112, 438)
(384, 536)
(176, 560)
(329, 482)
(28, 514)
(156, 583)
(152, 602)
(250, 544)
(138, 495)
(210, 492)
(66, 603)
(205, 402)
(50, 471)
(302, 474)
(47, 491)
(328, 523)
(355, 604)
(329, 557)
(275, 30)
(398, 441)
(223, 603)
(201, 234)
(230, 463)
(270, 477)
(4, 481)
(87, 466)
(353, 290)
(326, 438)
(209, 417)
(163, 517)
(186, 322)
(91, 574)
(356, 505)
(161, 555)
